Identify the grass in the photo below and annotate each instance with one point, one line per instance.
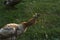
(48, 25)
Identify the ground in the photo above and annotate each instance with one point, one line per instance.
(48, 26)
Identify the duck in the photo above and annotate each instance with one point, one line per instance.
(11, 3)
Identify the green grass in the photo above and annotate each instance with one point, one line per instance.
(48, 24)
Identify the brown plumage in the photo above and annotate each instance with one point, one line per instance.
(12, 30)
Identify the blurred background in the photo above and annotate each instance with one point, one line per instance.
(48, 26)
